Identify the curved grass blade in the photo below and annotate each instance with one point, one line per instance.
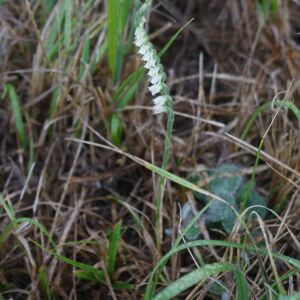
(277, 103)
(200, 274)
(159, 266)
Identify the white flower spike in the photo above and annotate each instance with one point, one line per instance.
(156, 72)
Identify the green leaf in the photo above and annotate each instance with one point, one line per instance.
(17, 113)
(254, 199)
(187, 216)
(221, 212)
(267, 8)
(68, 24)
(114, 239)
(81, 274)
(229, 221)
(226, 179)
(87, 268)
(44, 283)
(116, 129)
(113, 36)
(218, 210)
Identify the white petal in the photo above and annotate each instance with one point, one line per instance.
(157, 79)
(154, 89)
(140, 40)
(151, 63)
(160, 101)
(159, 109)
(153, 71)
(144, 49)
(139, 30)
(149, 56)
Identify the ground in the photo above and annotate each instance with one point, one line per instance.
(79, 146)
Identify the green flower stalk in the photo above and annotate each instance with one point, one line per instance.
(163, 102)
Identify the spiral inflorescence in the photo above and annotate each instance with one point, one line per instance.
(157, 76)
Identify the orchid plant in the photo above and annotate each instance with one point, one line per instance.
(163, 102)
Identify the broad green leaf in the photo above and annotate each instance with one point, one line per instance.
(254, 199)
(226, 179)
(218, 210)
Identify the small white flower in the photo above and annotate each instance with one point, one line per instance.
(149, 55)
(157, 79)
(160, 100)
(144, 49)
(140, 41)
(159, 109)
(155, 89)
(154, 71)
(151, 63)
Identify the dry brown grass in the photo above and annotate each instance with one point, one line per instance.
(220, 70)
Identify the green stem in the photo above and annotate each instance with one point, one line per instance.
(162, 180)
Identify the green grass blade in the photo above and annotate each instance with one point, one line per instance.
(17, 113)
(91, 277)
(126, 90)
(98, 274)
(173, 38)
(116, 129)
(9, 209)
(267, 8)
(68, 24)
(5, 233)
(126, 5)
(114, 239)
(122, 285)
(133, 78)
(200, 274)
(81, 274)
(201, 243)
(48, 4)
(113, 31)
(277, 103)
(54, 102)
(241, 285)
(44, 283)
